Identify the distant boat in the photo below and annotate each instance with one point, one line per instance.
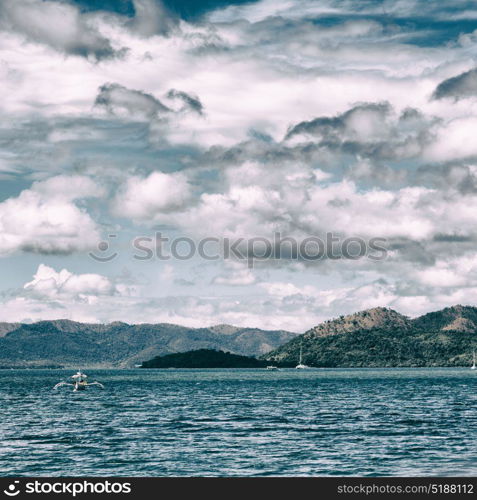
(300, 365)
(79, 382)
(273, 368)
(473, 367)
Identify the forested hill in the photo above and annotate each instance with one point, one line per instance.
(382, 337)
(65, 343)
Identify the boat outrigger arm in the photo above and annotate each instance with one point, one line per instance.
(80, 384)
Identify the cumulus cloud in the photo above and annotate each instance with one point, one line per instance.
(453, 140)
(64, 27)
(151, 198)
(278, 118)
(45, 219)
(369, 130)
(303, 204)
(49, 283)
(450, 272)
(57, 24)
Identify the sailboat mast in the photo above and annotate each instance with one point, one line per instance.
(301, 352)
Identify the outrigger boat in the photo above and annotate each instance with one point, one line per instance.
(79, 382)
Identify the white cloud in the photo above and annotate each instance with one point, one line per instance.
(151, 198)
(258, 70)
(57, 24)
(49, 284)
(305, 207)
(45, 219)
(90, 297)
(454, 140)
(451, 272)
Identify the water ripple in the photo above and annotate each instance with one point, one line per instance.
(241, 423)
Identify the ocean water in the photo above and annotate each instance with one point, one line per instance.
(365, 422)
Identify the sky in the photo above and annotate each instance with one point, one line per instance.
(238, 120)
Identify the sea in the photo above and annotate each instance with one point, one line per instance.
(185, 422)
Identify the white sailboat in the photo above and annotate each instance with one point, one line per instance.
(473, 367)
(300, 365)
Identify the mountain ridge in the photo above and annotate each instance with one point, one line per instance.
(117, 344)
(366, 319)
(384, 337)
(374, 337)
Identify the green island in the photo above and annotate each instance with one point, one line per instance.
(203, 358)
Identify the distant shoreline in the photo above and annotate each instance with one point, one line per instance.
(261, 369)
